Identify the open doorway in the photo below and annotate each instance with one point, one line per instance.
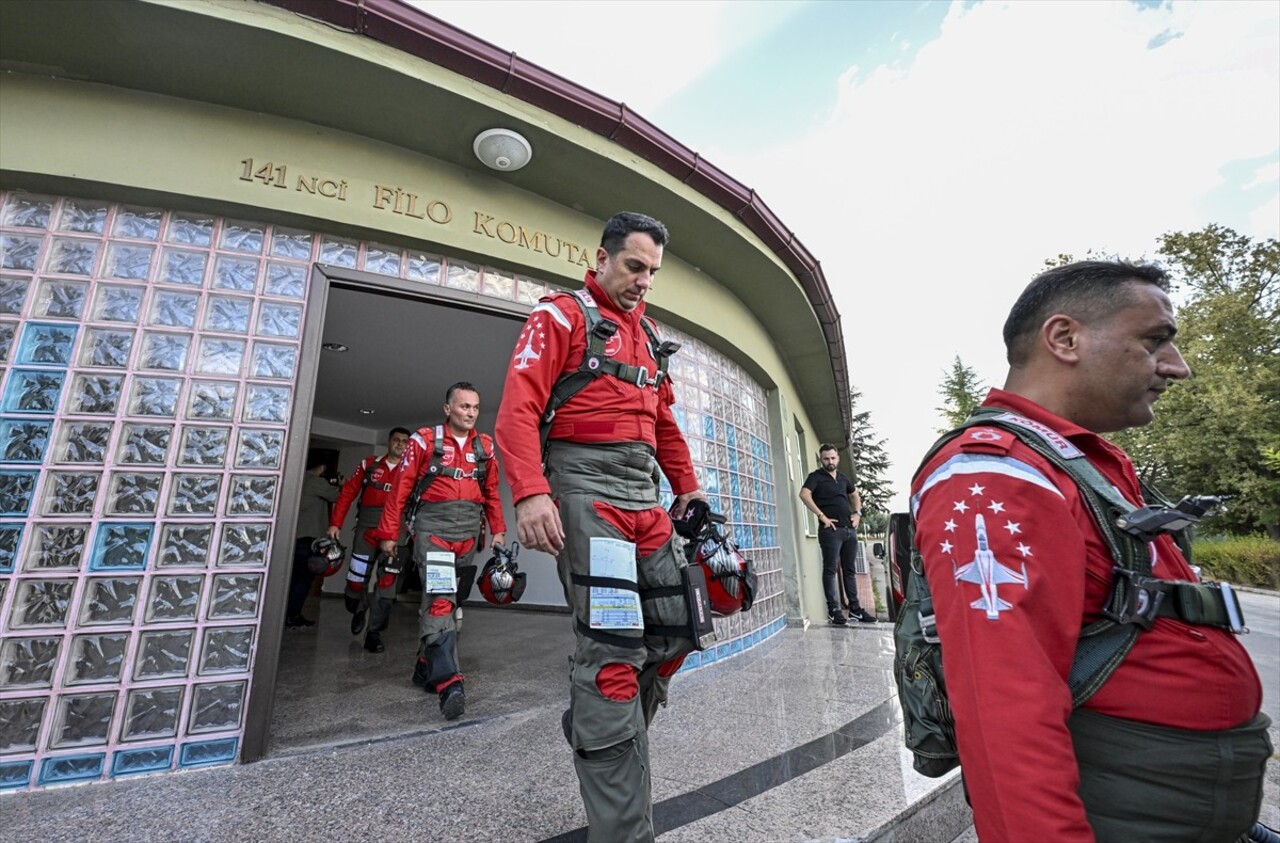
(388, 358)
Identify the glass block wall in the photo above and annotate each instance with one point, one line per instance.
(148, 360)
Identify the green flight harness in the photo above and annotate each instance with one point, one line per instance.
(1136, 598)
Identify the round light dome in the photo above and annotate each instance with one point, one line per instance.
(502, 149)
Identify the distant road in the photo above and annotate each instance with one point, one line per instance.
(1262, 616)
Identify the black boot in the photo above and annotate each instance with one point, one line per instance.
(453, 701)
(373, 643)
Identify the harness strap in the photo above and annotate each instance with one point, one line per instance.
(437, 468)
(668, 631)
(626, 642)
(597, 362)
(604, 582)
(1136, 598)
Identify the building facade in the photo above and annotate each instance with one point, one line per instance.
(185, 189)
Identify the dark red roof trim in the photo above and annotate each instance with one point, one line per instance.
(413, 31)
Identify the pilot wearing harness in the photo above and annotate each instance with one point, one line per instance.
(1047, 560)
(369, 592)
(445, 490)
(588, 377)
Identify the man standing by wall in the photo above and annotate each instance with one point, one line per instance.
(313, 518)
(1171, 746)
(369, 594)
(829, 494)
(449, 478)
(597, 510)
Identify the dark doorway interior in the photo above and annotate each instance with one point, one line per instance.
(402, 353)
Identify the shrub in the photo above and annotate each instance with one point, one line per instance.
(1239, 560)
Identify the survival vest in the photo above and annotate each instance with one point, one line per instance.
(596, 362)
(437, 468)
(1136, 599)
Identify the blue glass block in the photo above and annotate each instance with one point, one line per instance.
(10, 540)
(121, 547)
(708, 428)
(46, 343)
(33, 391)
(735, 646)
(23, 441)
(14, 774)
(17, 488)
(203, 753)
(691, 661)
(74, 768)
(132, 762)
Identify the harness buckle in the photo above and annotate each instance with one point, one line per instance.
(1235, 615)
(642, 377)
(1140, 597)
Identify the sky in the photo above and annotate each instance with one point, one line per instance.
(933, 155)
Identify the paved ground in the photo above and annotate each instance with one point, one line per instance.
(796, 740)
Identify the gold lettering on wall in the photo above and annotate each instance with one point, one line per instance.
(398, 200)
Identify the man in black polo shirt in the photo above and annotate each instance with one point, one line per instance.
(831, 496)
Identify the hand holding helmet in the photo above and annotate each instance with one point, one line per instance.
(500, 580)
(731, 582)
(327, 556)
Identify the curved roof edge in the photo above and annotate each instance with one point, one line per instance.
(417, 33)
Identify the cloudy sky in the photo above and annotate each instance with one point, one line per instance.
(933, 155)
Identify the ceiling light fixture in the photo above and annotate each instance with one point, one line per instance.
(335, 346)
(502, 149)
(367, 411)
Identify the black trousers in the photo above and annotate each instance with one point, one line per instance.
(839, 547)
(301, 579)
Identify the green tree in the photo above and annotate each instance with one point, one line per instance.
(869, 459)
(1218, 433)
(961, 391)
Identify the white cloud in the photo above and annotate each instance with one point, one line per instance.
(940, 184)
(936, 190)
(638, 53)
